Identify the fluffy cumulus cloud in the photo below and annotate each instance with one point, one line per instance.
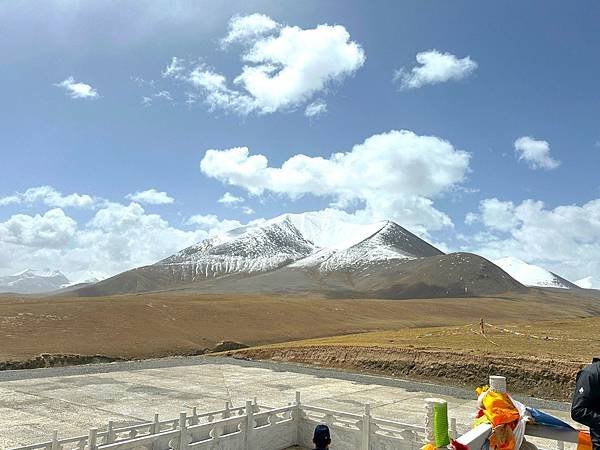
(284, 66)
(77, 90)
(536, 153)
(50, 230)
(151, 197)
(117, 237)
(565, 239)
(434, 67)
(393, 175)
(50, 197)
(495, 214)
(248, 28)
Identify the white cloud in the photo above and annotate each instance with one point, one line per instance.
(212, 224)
(536, 153)
(435, 67)
(52, 230)
(230, 199)
(118, 237)
(247, 210)
(495, 214)
(393, 175)
(50, 197)
(248, 28)
(281, 71)
(151, 197)
(77, 90)
(315, 109)
(565, 240)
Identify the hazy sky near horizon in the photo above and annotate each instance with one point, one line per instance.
(129, 130)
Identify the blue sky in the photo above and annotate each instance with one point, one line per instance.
(489, 74)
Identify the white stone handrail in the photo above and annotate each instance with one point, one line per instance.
(252, 427)
(555, 434)
(113, 434)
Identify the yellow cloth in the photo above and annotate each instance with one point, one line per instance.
(499, 411)
(428, 447)
(498, 408)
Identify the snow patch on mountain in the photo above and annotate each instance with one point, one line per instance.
(306, 240)
(586, 283)
(330, 233)
(246, 250)
(529, 274)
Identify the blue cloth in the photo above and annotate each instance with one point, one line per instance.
(542, 418)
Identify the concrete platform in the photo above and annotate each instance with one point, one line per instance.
(33, 403)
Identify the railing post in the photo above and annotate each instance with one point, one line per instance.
(366, 428)
(453, 431)
(226, 412)
(93, 439)
(498, 384)
(560, 445)
(429, 428)
(182, 431)
(155, 429)
(155, 425)
(431, 404)
(297, 416)
(54, 440)
(110, 434)
(249, 425)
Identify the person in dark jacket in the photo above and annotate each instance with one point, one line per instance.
(321, 437)
(585, 408)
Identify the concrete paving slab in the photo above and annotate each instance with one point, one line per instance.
(71, 400)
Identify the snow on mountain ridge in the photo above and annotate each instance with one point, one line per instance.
(242, 250)
(390, 243)
(331, 234)
(529, 274)
(585, 283)
(296, 240)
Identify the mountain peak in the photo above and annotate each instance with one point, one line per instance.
(532, 275)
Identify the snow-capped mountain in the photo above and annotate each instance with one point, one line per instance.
(33, 282)
(242, 250)
(378, 243)
(307, 252)
(586, 283)
(532, 275)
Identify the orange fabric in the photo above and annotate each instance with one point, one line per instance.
(499, 411)
(502, 438)
(498, 408)
(428, 447)
(584, 441)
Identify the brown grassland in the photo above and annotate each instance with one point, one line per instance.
(542, 336)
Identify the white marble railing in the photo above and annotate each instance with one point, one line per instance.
(252, 427)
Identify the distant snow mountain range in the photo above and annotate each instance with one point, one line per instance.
(40, 281)
(307, 253)
(33, 282)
